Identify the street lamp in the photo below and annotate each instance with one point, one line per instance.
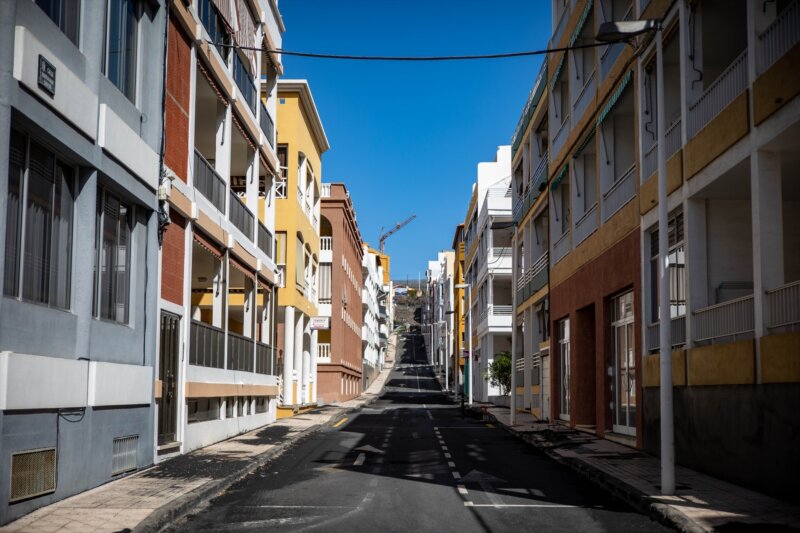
(622, 31)
(469, 330)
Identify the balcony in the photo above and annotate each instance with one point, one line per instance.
(719, 94)
(264, 239)
(206, 345)
(586, 225)
(620, 193)
(778, 38)
(240, 352)
(267, 125)
(560, 137)
(324, 352)
(280, 185)
(265, 359)
(673, 142)
(734, 318)
(241, 217)
(326, 244)
(301, 196)
(208, 182)
(561, 247)
(558, 32)
(326, 190)
(610, 53)
(677, 333)
(585, 97)
(500, 259)
(533, 279)
(783, 305)
(215, 26)
(245, 83)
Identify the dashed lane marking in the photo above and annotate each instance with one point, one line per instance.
(447, 455)
(462, 489)
(360, 459)
(456, 474)
(511, 505)
(451, 464)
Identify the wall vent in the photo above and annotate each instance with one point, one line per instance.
(123, 458)
(33, 473)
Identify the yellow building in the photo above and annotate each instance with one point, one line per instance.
(459, 312)
(301, 143)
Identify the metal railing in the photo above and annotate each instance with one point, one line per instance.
(301, 196)
(728, 319)
(280, 188)
(539, 175)
(215, 26)
(208, 182)
(326, 190)
(719, 94)
(326, 243)
(561, 247)
(504, 251)
(245, 83)
(585, 96)
(264, 359)
(264, 239)
(324, 350)
(499, 192)
(206, 345)
(672, 138)
(677, 333)
(650, 161)
(610, 53)
(778, 38)
(559, 29)
(240, 352)
(500, 310)
(560, 137)
(267, 125)
(783, 305)
(241, 217)
(586, 225)
(620, 193)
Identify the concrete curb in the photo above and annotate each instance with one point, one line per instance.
(660, 512)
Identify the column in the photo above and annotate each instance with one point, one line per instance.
(288, 355)
(220, 294)
(298, 359)
(313, 369)
(767, 216)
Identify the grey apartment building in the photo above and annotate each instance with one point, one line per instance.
(81, 88)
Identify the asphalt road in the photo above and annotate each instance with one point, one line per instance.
(412, 462)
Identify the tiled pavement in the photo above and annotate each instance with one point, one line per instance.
(702, 502)
(150, 499)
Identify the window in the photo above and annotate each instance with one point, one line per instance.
(38, 257)
(202, 409)
(261, 404)
(122, 45)
(229, 407)
(240, 409)
(280, 247)
(677, 269)
(66, 14)
(113, 246)
(215, 26)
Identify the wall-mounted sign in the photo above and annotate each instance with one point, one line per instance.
(47, 76)
(320, 322)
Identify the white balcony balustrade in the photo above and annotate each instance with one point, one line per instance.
(783, 305)
(560, 137)
(326, 244)
(586, 225)
(324, 352)
(719, 94)
(734, 318)
(326, 190)
(778, 38)
(620, 193)
(677, 334)
(561, 247)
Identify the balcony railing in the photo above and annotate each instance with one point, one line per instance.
(208, 182)
(265, 360)
(778, 38)
(620, 193)
(561, 247)
(499, 192)
(677, 333)
(245, 83)
(206, 345)
(610, 53)
(324, 351)
(241, 217)
(533, 279)
(267, 125)
(504, 251)
(280, 188)
(586, 225)
(719, 94)
(215, 26)
(539, 176)
(500, 310)
(585, 96)
(265, 239)
(326, 244)
(559, 29)
(673, 144)
(240, 352)
(560, 137)
(783, 305)
(301, 196)
(728, 319)
(326, 190)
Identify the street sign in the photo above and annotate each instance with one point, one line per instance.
(47, 76)
(320, 322)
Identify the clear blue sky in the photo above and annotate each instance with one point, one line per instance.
(407, 137)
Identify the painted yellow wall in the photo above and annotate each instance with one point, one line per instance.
(295, 132)
(731, 363)
(780, 358)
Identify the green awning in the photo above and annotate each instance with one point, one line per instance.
(584, 144)
(559, 178)
(614, 97)
(581, 22)
(560, 65)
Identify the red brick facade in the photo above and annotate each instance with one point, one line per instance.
(179, 60)
(172, 259)
(585, 297)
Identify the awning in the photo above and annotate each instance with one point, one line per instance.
(213, 83)
(559, 178)
(560, 66)
(581, 22)
(589, 138)
(240, 127)
(207, 244)
(614, 97)
(241, 267)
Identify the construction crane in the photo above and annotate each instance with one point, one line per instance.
(397, 227)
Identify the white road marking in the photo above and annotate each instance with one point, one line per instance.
(507, 505)
(430, 416)
(451, 464)
(360, 459)
(444, 448)
(373, 482)
(447, 455)
(462, 489)
(456, 474)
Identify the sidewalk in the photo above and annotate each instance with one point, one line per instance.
(153, 498)
(702, 502)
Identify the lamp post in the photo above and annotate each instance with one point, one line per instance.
(446, 355)
(469, 331)
(622, 31)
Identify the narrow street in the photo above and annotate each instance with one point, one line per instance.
(412, 462)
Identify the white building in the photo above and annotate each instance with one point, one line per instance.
(371, 329)
(488, 268)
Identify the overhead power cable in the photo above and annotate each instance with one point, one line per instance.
(472, 57)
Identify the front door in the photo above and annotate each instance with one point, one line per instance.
(565, 369)
(168, 375)
(624, 373)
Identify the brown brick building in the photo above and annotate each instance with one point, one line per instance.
(340, 285)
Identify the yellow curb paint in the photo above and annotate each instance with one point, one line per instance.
(340, 422)
(489, 425)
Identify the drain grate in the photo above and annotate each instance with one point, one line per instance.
(33, 473)
(123, 457)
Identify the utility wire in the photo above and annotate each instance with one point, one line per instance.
(473, 57)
